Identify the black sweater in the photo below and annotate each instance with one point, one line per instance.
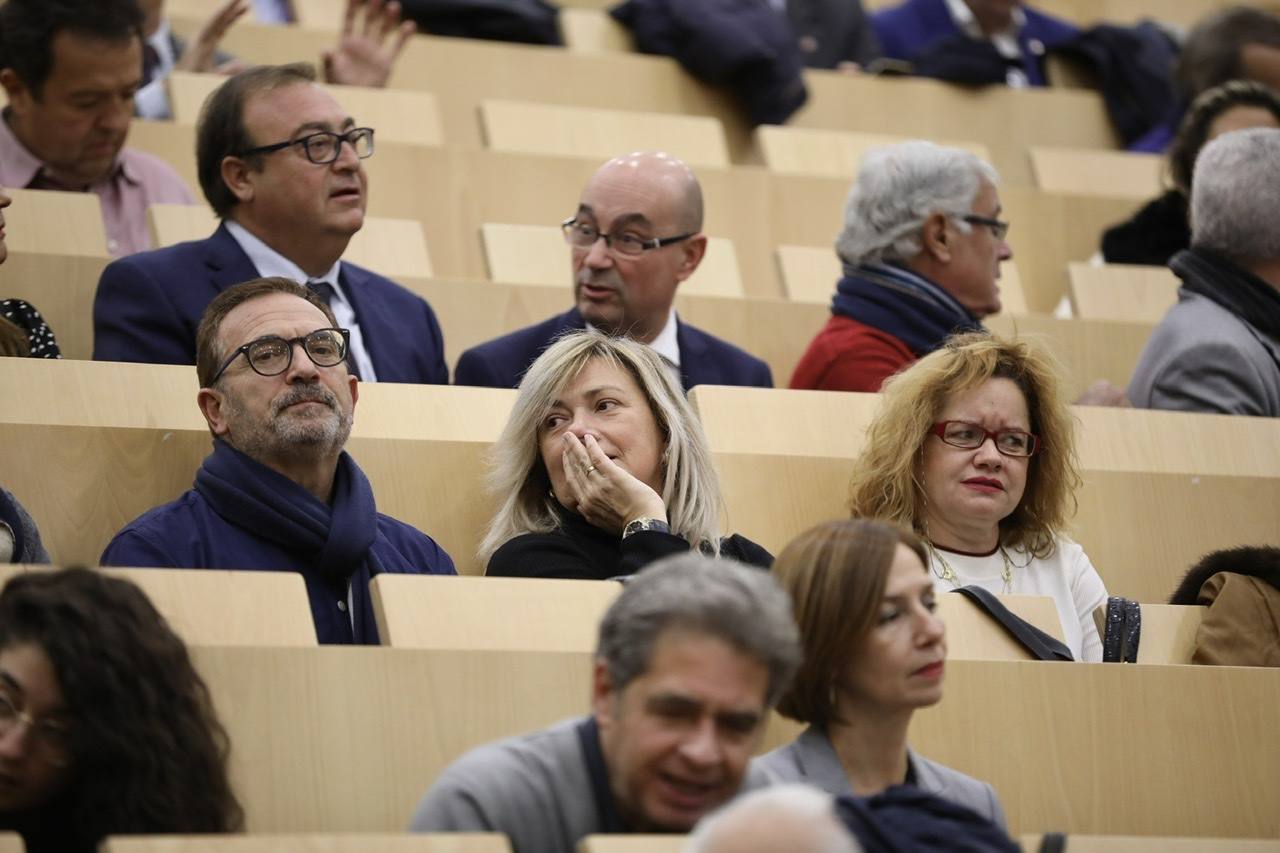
(581, 551)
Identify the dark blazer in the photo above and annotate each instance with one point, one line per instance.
(811, 760)
(148, 307)
(832, 31)
(704, 359)
(912, 28)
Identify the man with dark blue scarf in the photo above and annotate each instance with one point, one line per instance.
(279, 492)
(922, 246)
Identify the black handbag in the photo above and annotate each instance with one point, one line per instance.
(1122, 631)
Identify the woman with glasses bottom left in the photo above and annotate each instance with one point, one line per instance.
(105, 726)
(972, 447)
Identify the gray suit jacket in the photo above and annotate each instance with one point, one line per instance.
(811, 759)
(1203, 358)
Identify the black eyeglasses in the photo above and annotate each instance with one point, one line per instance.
(53, 737)
(271, 355)
(583, 235)
(998, 227)
(323, 147)
(1010, 442)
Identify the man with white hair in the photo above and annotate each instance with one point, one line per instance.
(796, 818)
(921, 248)
(1218, 348)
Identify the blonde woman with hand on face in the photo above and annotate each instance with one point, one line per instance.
(603, 468)
(973, 448)
(874, 652)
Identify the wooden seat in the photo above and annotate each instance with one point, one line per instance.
(391, 247)
(1120, 174)
(1130, 293)
(535, 128)
(61, 287)
(49, 222)
(831, 153)
(522, 614)
(809, 274)
(396, 115)
(442, 842)
(1204, 482)
(223, 608)
(90, 463)
(537, 254)
(11, 842)
(1049, 737)
(490, 614)
(594, 31)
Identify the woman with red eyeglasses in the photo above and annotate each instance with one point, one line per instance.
(973, 448)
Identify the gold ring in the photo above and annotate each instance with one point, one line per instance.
(590, 468)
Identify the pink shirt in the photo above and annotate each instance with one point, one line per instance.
(137, 181)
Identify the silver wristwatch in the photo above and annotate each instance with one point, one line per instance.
(638, 524)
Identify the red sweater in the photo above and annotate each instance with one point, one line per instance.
(850, 356)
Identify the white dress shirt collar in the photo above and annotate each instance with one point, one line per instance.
(666, 343)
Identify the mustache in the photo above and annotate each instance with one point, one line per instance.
(601, 278)
(304, 394)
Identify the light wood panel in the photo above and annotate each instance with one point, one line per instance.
(1088, 349)
(832, 153)
(973, 635)
(809, 274)
(49, 222)
(391, 247)
(1081, 748)
(537, 254)
(396, 115)
(1125, 292)
(491, 614)
(11, 842)
(1122, 174)
(222, 608)
(85, 477)
(534, 128)
(592, 31)
(444, 842)
(1169, 632)
(61, 287)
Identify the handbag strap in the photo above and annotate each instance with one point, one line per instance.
(1123, 630)
(1042, 646)
(1053, 842)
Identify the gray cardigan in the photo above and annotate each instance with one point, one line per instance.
(1203, 358)
(811, 759)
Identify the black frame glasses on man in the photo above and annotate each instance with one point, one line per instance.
(970, 436)
(324, 147)
(271, 355)
(998, 227)
(583, 235)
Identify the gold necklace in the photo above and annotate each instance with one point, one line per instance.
(949, 574)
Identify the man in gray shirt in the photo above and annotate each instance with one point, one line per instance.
(690, 659)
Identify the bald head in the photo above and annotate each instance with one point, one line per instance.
(659, 179)
(796, 818)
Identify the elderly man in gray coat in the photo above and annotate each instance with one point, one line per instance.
(1218, 349)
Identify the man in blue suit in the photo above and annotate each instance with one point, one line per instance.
(279, 162)
(636, 235)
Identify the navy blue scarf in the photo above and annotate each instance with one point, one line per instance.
(334, 539)
(908, 306)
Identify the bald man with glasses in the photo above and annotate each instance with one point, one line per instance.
(636, 235)
(281, 164)
(279, 492)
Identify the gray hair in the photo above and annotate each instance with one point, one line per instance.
(898, 187)
(800, 816)
(741, 605)
(1235, 196)
(690, 489)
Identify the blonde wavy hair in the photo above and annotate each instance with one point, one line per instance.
(518, 476)
(886, 480)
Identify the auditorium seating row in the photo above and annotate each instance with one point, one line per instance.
(1160, 489)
